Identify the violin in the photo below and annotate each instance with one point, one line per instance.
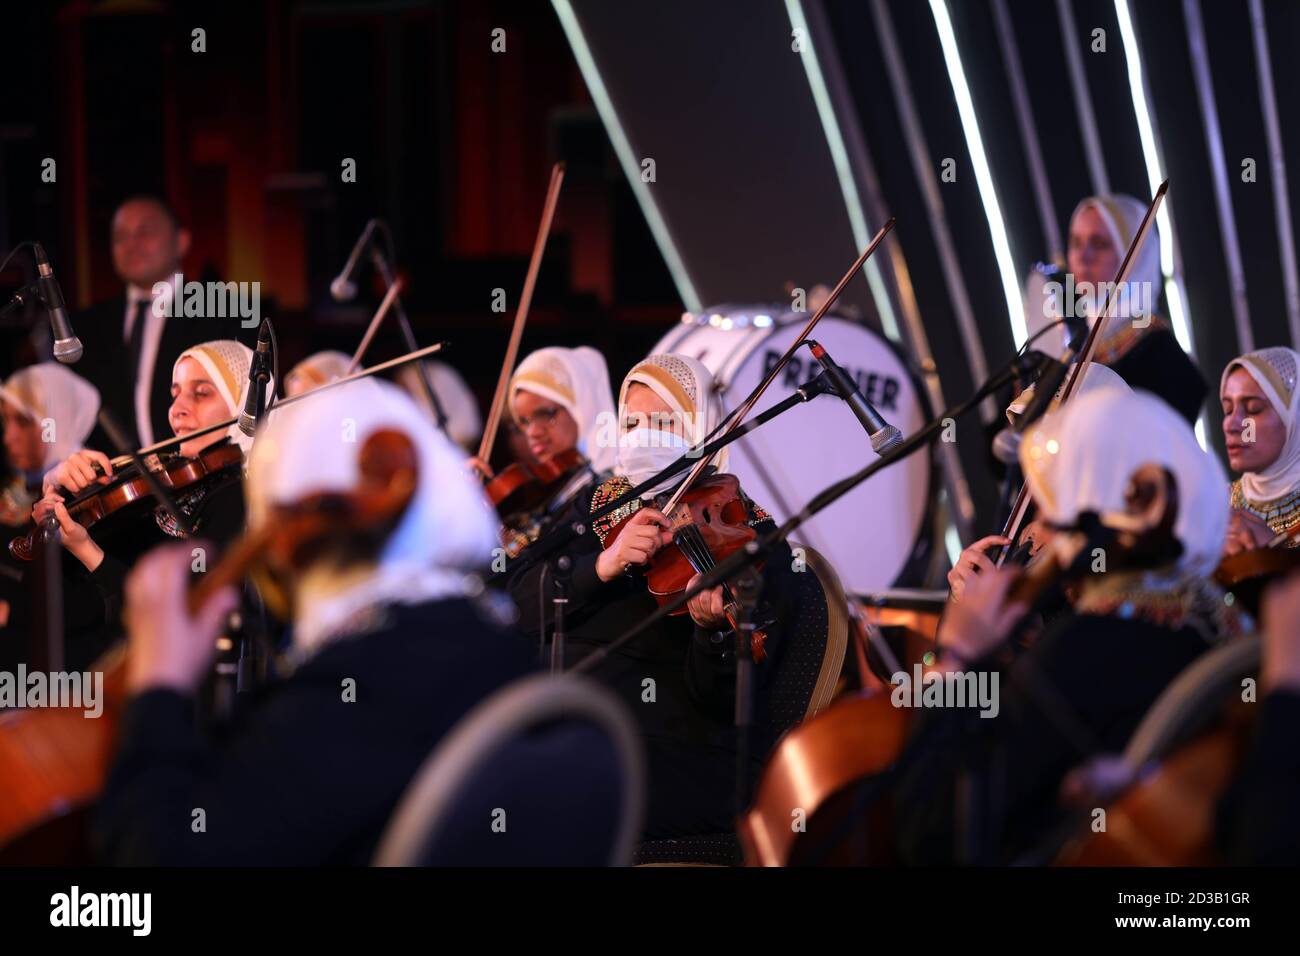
(54, 761)
(1247, 573)
(128, 488)
(709, 523)
(527, 486)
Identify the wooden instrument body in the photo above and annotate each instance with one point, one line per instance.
(1167, 819)
(715, 509)
(526, 486)
(97, 503)
(812, 773)
(54, 761)
(1247, 573)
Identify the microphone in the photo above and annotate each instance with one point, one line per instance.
(67, 347)
(1045, 389)
(342, 288)
(259, 373)
(884, 436)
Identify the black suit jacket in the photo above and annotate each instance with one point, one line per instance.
(106, 363)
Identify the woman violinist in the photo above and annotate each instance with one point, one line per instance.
(371, 535)
(1137, 344)
(206, 389)
(1260, 429)
(561, 403)
(678, 676)
(1143, 610)
(48, 412)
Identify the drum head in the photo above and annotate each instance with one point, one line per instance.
(869, 535)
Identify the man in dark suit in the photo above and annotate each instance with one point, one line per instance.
(131, 341)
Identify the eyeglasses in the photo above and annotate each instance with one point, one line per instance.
(544, 416)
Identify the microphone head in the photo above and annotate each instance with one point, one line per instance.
(247, 423)
(67, 351)
(887, 439)
(343, 289)
(1006, 446)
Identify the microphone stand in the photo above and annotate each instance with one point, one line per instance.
(408, 336)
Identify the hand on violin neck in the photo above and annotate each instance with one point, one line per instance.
(640, 537)
(480, 467)
(708, 609)
(75, 538)
(978, 624)
(78, 471)
(971, 562)
(170, 648)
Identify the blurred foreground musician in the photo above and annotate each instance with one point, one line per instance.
(1082, 687)
(389, 649)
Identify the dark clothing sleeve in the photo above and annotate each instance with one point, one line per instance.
(1158, 364)
(1064, 700)
(1256, 822)
(313, 772)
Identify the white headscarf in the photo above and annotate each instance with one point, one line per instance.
(578, 380)
(317, 369)
(226, 362)
(313, 446)
(54, 392)
(687, 387)
(464, 422)
(1121, 216)
(1274, 370)
(1080, 459)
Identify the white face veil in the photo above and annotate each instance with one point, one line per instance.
(577, 380)
(226, 363)
(447, 530)
(1274, 371)
(1080, 459)
(61, 403)
(687, 388)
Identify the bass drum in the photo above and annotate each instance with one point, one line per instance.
(872, 534)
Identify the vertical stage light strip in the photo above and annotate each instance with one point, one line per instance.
(1277, 162)
(1155, 175)
(843, 169)
(983, 177)
(1200, 55)
(627, 159)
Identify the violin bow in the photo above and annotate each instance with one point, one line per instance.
(389, 298)
(364, 373)
(738, 416)
(525, 301)
(1089, 349)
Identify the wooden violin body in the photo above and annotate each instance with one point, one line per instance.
(101, 501)
(526, 486)
(54, 761)
(820, 775)
(1247, 573)
(716, 510)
